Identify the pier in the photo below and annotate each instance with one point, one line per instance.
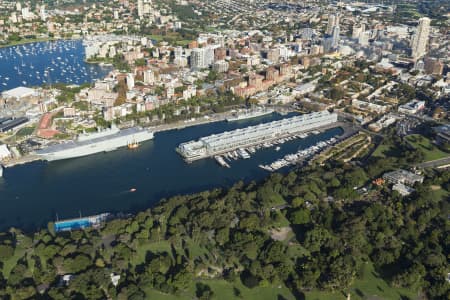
(253, 136)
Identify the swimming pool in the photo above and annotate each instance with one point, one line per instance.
(72, 224)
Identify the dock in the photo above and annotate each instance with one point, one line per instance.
(253, 136)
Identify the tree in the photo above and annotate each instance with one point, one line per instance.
(223, 235)
(411, 277)
(249, 280)
(300, 216)
(203, 291)
(316, 238)
(76, 264)
(181, 279)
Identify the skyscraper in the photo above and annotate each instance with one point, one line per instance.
(364, 38)
(198, 59)
(333, 20)
(130, 81)
(358, 28)
(140, 8)
(335, 36)
(419, 40)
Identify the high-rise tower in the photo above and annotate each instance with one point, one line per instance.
(419, 40)
(333, 20)
(140, 8)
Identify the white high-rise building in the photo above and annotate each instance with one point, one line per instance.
(140, 8)
(26, 14)
(198, 58)
(18, 6)
(357, 30)
(130, 81)
(43, 13)
(333, 20)
(364, 38)
(420, 38)
(178, 52)
(149, 77)
(335, 36)
(13, 18)
(209, 55)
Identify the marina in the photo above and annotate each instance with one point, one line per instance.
(50, 62)
(260, 135)
(298, 157)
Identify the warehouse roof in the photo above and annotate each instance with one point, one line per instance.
(19, 92)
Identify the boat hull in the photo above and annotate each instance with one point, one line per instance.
(110, 143)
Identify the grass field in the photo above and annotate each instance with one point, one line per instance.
(224, 290)
(25, 131)
(381, 150)
(423, 144)
(12, 262)
(370, 286)
(172, 38)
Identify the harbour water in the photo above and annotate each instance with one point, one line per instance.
(38, 63)
(32, 194)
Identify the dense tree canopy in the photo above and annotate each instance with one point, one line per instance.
(237, 235)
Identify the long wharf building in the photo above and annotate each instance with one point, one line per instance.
(253, 135)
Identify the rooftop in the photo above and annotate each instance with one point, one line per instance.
(19, 92)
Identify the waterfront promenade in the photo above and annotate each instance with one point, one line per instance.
(218, 117)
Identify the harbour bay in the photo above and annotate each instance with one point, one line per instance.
(34, 194)
(50, 62)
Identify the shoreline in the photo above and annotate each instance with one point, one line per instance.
(138, 208)
(29, 158)
(31, 41)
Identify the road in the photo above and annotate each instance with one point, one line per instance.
(435, 163)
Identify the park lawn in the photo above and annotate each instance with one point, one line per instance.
(423, 144)
(139, 257)
(194, 249)
(381, 150)
(165, 246)
(25, 131)
(439, 193)
(224, 290)
(369, 286)
(175, 38)
(282, 222)
(12, 262)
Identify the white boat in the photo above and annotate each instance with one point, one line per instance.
(243, 154)
(221, 161)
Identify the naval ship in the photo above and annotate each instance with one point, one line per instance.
(101, 141)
